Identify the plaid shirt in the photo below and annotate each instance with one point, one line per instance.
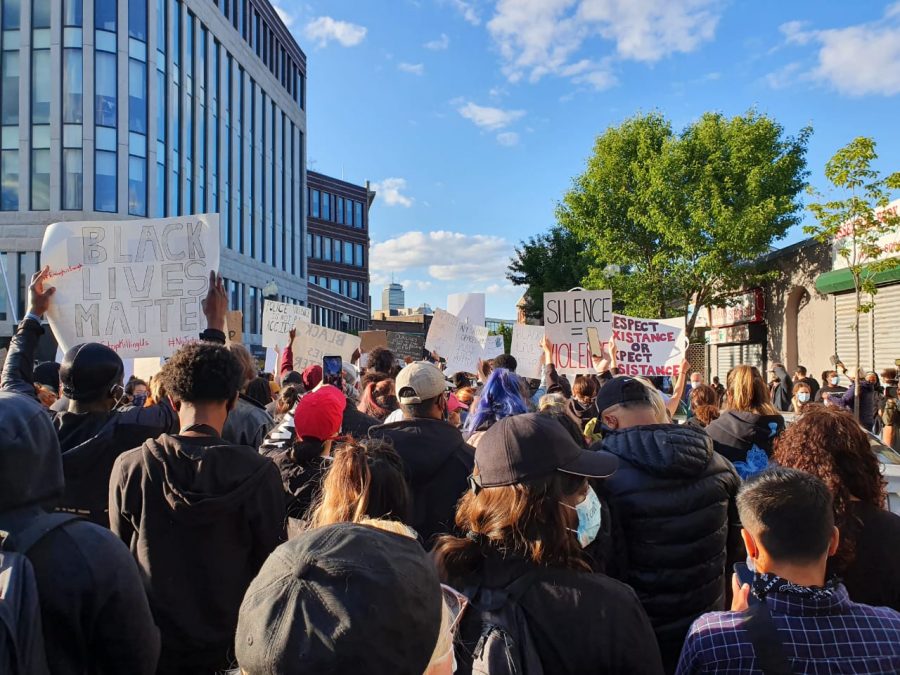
(824, 634)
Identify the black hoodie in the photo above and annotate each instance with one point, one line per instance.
(745, 439)
(437, 463)
(200, 517)
(93, 607)
(674, 525)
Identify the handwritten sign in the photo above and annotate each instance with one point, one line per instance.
(442, 333)
(526, 350)
(313, 343)
(406, 344)
(493, 347)
(649, 347)
(278, 319)
(468, 348)
(372, 339)
(566, 319)
(234, 327)
(135, 286)
(467, 307)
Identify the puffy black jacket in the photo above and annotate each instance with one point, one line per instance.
(745, 439)
(437, 463)
(672, 503)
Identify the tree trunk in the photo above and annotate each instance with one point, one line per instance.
(856, 389)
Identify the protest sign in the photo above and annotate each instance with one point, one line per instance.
(526, 350)
(145, 368)
(467, 307)
(406, 344)
(313, 343)
(278, 319)
(493, 347)
(135, 286)
(371, 339)
(468, 348)
(271, 364)
(566, 319)
(649, 347)
(234, 327)
(442, 333)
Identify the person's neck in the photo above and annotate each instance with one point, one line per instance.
(209, 414)
(812, 575)
(81, 407)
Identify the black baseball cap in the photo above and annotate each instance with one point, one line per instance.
(532, 445)
(621, 390)
(343, 598)
(47, 373)
(89, 371)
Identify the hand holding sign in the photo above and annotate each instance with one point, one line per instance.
(38, 297)
(215, 306)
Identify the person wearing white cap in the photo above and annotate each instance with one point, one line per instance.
(436, 458)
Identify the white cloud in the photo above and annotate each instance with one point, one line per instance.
(390, 190)
(325, 29)
(857, 60)
(467, 10)
(508, 138)
(544, 37)
(412, 68)
(286, 18)
(438, 45)
(503, 289)
(443, 256)
(488, 117)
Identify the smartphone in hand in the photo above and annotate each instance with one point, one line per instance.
(332, 371)
(745, 576)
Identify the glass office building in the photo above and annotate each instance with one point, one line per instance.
(155, 108)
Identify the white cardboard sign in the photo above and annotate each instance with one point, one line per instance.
(566, 319)
(467, 307)
(135, 286)
(649, 347)
(442, 333)
(526, 350)
(468, 349)
(278, 319)
(313, 343)
(493, 347)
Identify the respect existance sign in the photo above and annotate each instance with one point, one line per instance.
(649, 347)
(136, 286)
(567, 316)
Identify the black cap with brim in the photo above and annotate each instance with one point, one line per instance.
(524, 447)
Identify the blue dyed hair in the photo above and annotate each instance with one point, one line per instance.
(501, 397)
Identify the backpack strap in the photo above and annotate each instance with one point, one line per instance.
(767, 645)
(22, 536)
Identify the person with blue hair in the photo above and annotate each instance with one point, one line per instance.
(501, 397)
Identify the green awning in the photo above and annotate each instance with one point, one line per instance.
(838, 281)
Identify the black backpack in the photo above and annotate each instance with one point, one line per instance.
(504, 645)
(21, 634)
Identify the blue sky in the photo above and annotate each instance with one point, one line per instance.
(472, 116)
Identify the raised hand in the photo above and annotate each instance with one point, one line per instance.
(38, 295)
(215, 306)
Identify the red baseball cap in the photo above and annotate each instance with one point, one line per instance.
(311, 377)
(319, 413)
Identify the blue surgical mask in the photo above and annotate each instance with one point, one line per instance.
(803, 397)
(589, 514)
(834, 381)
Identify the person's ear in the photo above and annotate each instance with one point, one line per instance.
(610, 422)
(835, 542)
(750, 544)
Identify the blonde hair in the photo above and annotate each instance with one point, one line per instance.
(747, 391)
(552, 403)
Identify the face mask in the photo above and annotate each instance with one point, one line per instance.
(803, 397)
(138, 400)
(834, 381)
(589, 514)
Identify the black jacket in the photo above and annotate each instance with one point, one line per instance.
(356, 423)
(672, 502)
(247, 424)
(437, 463)
(200, 517)
(745, 439)
(302, 481)
(95, 615)
(90, 442)
(582, 413)
(580, 622)
(784, 390)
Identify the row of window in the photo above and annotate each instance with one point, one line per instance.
(330, 318)
(249, 300)
(335, 250)
(326, 206)
(346, 287)
(247, 21)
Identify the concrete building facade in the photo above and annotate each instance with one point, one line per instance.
(114, 109)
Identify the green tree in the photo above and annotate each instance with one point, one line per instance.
(857, 224)
(672, 221)
(506, 332)
(549, 262)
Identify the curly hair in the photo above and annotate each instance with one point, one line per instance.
(829, 443)
(202, 372)
(381, 360)
(704, 403)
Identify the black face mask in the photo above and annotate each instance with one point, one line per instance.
(138, 400)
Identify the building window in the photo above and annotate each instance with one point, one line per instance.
(326, 206)
(105, 16)
(10, 88)
(358, 258)
(317, 253)
(326, 248)
(73, 86)
(358, 215)
(188, 117)
(348, 253)
(105, 181)
(225, 177)
(200, 187)
(337, 251)
(348, 212)
(12, 10)
(335, 285)
(9, 167)
(72, 179)
(214, 131)
(105, 88)
(314, 201)
(339, 210)
(137, 96)
(137, 186)
(137, 19)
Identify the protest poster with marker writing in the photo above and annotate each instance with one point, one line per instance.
(649, 347)
(566, 319)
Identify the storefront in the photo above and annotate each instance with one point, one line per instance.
(737, 334)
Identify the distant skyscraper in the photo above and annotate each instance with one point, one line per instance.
(393, 298)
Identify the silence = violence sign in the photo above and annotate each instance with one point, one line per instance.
(567, 317)
(134, 285)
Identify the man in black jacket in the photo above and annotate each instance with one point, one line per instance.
(783, 391)
(199, 514)
(437, 460)
(672, 505)
(93, 607)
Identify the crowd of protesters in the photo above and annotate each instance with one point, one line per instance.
(397, 520)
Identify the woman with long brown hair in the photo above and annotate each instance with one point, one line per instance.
(378, 397)
(528, 515)
(748, 425)
(704, 405)
(829, 443)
